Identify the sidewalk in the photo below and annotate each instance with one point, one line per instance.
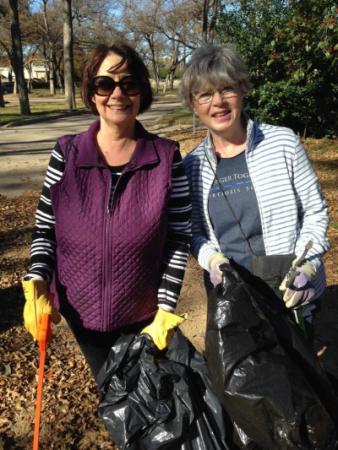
(25, 145)
(163, 104)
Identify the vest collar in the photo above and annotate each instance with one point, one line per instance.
(89, 156)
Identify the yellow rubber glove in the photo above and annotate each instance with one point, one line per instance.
(38, 302)
(162, 328)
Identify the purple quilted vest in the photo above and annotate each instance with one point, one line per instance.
(108, 266)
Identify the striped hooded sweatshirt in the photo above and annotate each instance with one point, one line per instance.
(291, 206)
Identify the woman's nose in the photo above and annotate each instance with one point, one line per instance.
(117, 92)
(217, 98)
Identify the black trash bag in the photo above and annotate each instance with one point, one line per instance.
(159, 400)
(325, 334)
(265, 373)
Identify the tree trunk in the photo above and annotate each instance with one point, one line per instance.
(51, 76)
(215, 11)
(49, 52)
(59, 81)
(29, 82)
(150, 42)
(17, 58)
(68, 54)
(2, 100)
(172, 78)
(210, 15)
(173, 65)
(165, 85)
(57, 76)
(205, 21)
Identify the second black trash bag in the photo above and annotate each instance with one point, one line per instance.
(263, 370)
(154, 400)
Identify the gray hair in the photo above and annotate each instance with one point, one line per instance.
(212, 66)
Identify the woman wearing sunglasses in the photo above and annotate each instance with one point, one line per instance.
(113, 222)
(255, 196)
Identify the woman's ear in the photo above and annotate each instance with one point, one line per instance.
(93, 99)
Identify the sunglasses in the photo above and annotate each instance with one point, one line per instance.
(105, 86)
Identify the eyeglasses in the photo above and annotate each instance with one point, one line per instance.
(104, 86)
(206, 96)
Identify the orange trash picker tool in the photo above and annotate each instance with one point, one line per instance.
(44, 336)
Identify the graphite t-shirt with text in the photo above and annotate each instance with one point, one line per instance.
(236, 185)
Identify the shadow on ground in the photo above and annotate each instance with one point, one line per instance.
(11, 307)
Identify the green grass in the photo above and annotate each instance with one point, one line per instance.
(42, 92)
(38, 109)
(6, 118)
(169, 92)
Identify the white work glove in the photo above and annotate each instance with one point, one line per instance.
(301, 291)
(215, 273)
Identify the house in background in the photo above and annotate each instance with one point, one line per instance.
(34, 71)
(31, 71)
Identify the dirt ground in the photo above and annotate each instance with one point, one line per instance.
(69, 418)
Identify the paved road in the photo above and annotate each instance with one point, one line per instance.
(25, 149)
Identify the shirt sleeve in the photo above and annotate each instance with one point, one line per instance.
(42, 258)
(179, 236)
(202, 248)
(312, 208)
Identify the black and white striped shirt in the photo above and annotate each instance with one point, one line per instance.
(43, 248)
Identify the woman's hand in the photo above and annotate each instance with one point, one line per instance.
(162, 328)
(38, 302)
(214, 271)
(301, 290)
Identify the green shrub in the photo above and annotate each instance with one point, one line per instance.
(309, 110)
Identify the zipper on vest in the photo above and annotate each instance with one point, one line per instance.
(107, 245)
(107, 235)
(107, 249)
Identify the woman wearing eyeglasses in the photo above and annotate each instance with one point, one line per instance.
(254, 191)
(113, 221)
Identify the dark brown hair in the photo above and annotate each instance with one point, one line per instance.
(135, 65)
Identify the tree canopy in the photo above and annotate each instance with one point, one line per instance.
(290, 46)
(291, 52)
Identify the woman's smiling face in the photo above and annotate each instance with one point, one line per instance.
(222, 112)
(118, 108)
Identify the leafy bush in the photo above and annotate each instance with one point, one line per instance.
(290, 49)
(309, 110)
